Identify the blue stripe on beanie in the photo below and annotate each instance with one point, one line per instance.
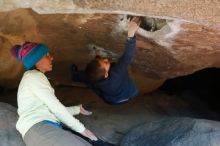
(34, 56)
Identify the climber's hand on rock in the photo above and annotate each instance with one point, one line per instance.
(133, 26)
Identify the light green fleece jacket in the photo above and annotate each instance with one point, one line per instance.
(37, 102)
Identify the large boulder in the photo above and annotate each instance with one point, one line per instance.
(9, 136)
(178, 39)
(198, 11)
(175, 132)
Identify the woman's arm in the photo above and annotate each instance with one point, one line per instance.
(42, 89)
(75, 110)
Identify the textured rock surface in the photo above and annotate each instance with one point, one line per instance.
(180, 51)
(203, 11)
(9, 136)
(175, 132)
(177, 49)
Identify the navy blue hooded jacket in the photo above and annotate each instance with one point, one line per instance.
(118, 87)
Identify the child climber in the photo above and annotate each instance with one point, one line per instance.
(112, 83)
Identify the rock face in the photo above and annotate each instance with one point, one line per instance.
(182, 50)
(175, 132)
(188, 40)
(206, 11)
(9, 136)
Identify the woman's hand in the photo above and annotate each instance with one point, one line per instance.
(84, 111)
(87, 133)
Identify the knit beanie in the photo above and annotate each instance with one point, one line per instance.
(29, 53)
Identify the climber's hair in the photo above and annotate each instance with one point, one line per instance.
(94, 71)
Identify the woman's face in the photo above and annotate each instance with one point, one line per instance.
(45, 64)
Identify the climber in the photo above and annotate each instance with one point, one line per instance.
(112, 83)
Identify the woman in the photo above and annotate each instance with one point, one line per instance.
(40, 112)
